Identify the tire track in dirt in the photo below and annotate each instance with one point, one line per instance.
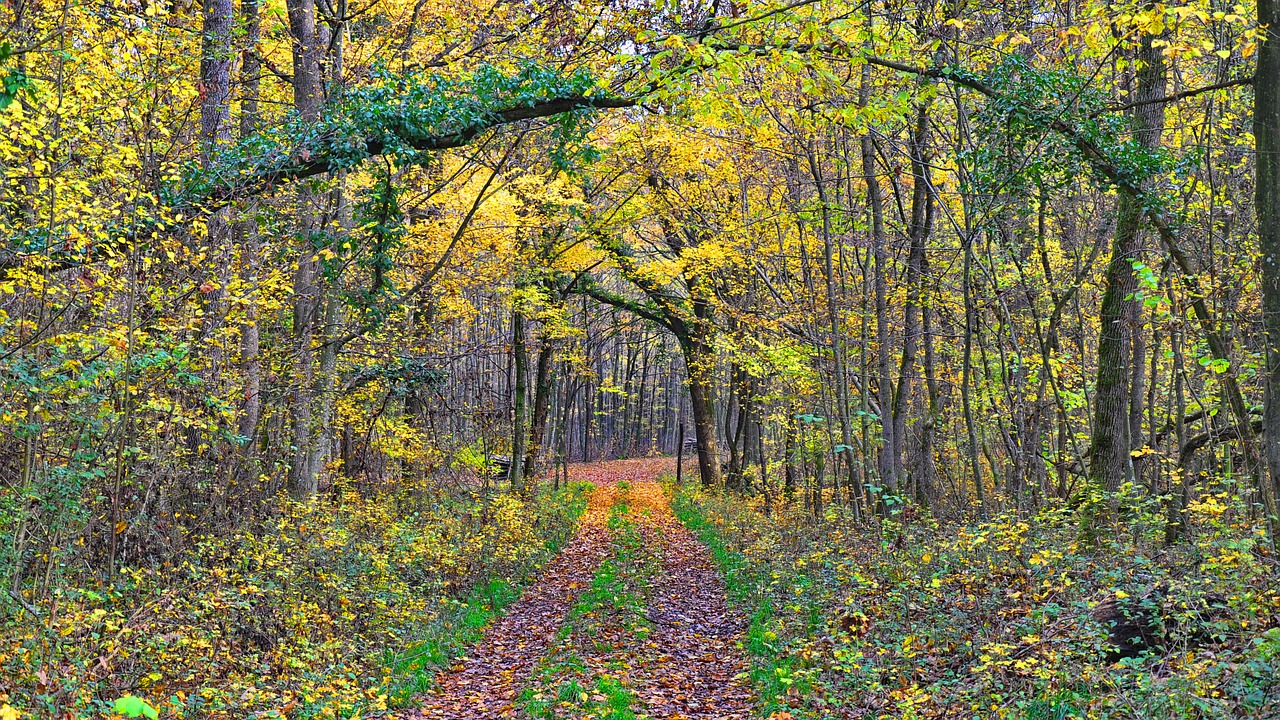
(692, 667)
(485, 683)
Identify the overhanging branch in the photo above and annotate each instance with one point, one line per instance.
(301, 163)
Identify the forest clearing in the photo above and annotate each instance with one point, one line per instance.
(780, 359)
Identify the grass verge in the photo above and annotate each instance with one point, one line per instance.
(773, 670)
(607, 617)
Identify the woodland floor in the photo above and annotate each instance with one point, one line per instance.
(629, 621)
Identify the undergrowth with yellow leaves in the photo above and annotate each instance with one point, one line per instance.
(337, 608)
(1012, 617)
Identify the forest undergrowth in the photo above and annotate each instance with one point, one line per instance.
(1013, 616)
(335, 608)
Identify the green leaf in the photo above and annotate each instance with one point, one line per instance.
(133, 706)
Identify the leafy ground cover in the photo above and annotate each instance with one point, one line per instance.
(334, 609)
(1013, 617)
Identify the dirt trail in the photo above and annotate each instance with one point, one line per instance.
(686, 669)
(489, 678)
(693, 665)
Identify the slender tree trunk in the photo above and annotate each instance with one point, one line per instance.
(520, 363)
(1266, 131)
(928, 434)
(541, 400)
(833, 317)
(246, 234)
(918, 233)
(215, 132)
(889, 450)
(326, 382)
(966, 374)
(306, 288)
(789, 460)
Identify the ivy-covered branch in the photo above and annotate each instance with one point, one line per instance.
(589, 286)
(406, 117)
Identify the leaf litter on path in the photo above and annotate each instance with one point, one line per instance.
(680, 661)
(694, 667)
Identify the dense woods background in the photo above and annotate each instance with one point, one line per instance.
(282, 280)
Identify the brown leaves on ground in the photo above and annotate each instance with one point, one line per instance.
(487, 681)
(694, 668)
(686, 667)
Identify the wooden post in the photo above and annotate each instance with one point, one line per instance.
(680, 456)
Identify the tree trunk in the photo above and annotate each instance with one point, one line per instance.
(541, 401)
(324, 393)
(966, 374)
(246, 234)
(215, 134)
(833, 317)
(306, 289)
(1266, 131)
(918, 233)
(700, 368)
(889, 449)
(1110, 461)
(520, 363)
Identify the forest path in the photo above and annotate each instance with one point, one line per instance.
(629, 620)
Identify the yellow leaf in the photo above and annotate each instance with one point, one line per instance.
(8, 713)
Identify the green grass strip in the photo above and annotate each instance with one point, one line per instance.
(618, 587)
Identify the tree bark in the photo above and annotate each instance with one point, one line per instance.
(541, 402)
(918, 234)
(833, 316)
(246, 234)
(700, 369)
(215, 134)
(1266, 131)
(306, 288)
(1110, 461)
(889, 462)
(520, 363)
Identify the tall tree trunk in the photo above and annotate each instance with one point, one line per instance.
(215, 103)
(790, 449)
(833, 316)
(306, 287)
(700, 370)
(325, 389)
(889, 450)
(246, 233)
(215, 134)
(966, 374)
(1110, 461)
(541, 401)
(1266, 131)
(918, 233)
